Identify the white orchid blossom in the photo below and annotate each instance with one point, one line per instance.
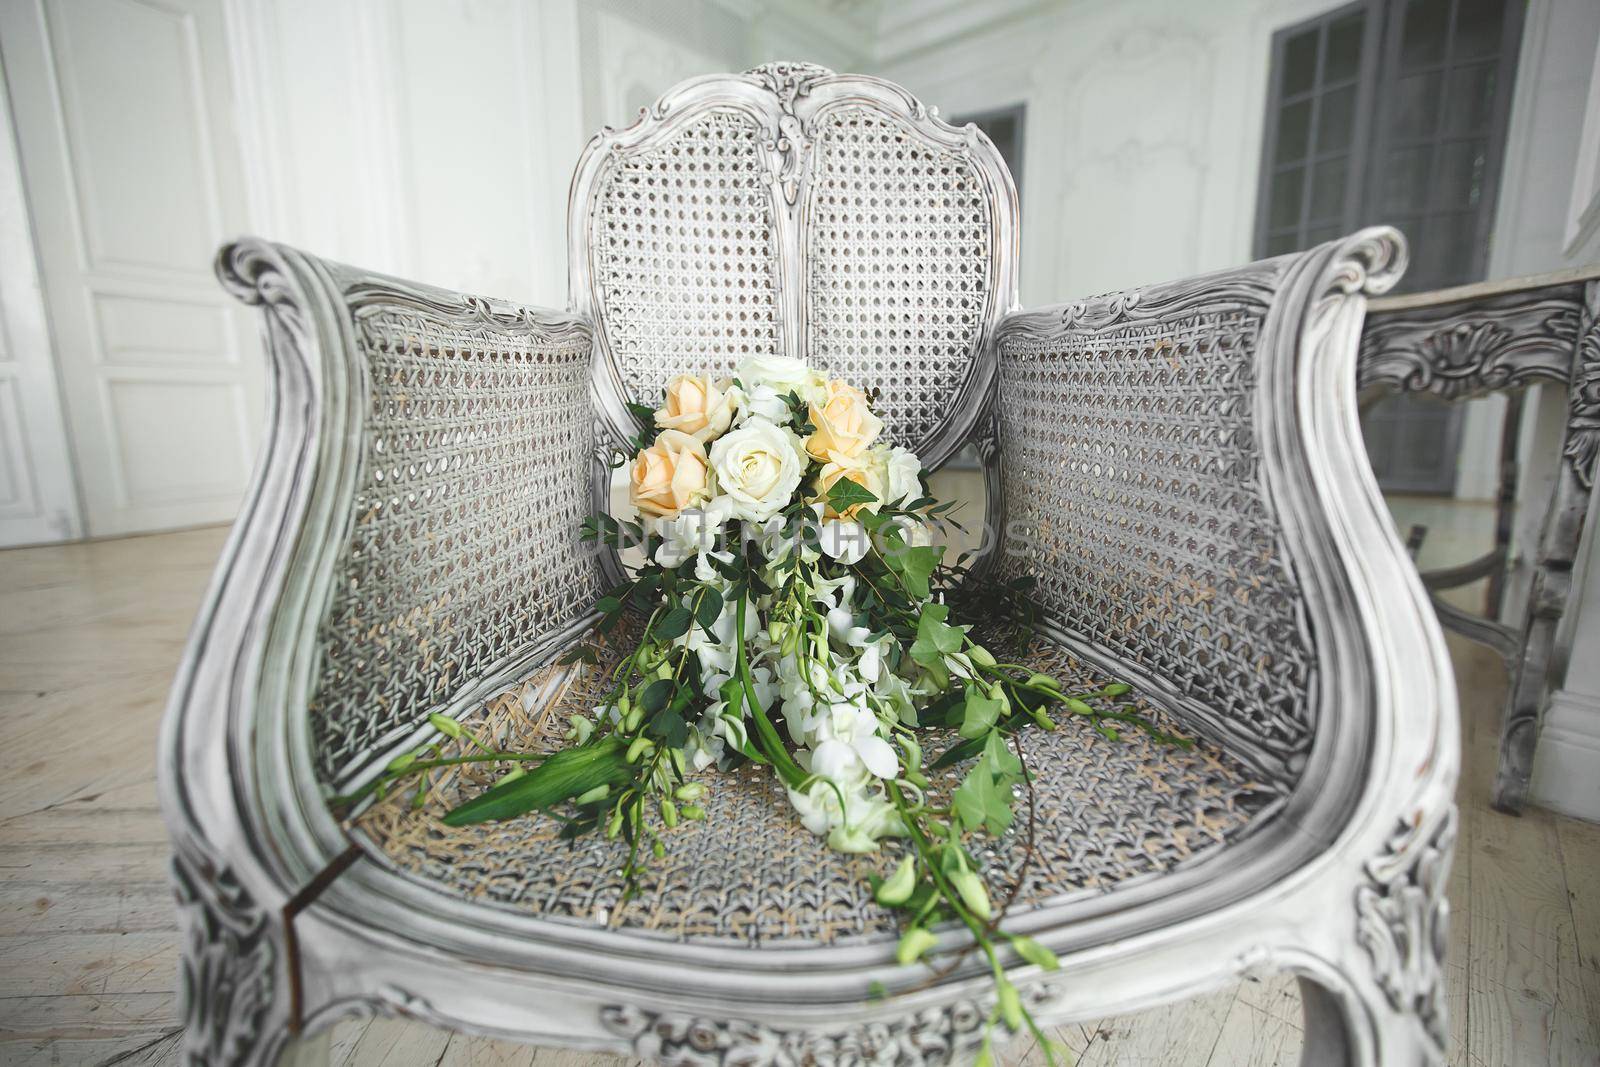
(692, 532)
(844, 540)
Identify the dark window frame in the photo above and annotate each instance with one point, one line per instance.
(1360, 137)
(1379, 72)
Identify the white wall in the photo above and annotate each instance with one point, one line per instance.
(436, 139)
(1144, 130)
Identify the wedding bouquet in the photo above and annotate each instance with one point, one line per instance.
(794, 610)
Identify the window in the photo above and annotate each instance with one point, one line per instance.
(1004, 127)
(1394, 111)
(1391, 111)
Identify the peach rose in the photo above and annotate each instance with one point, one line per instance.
(697, 406)
(862, 470)
(670, 475)
(844, 426)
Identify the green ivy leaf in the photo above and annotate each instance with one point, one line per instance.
(979, 801)
(844, 494)
(982, 712)
(935, 639)
(669, 728)
(999, 757)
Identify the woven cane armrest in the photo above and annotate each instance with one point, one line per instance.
(1132, 433)
(1105, 813)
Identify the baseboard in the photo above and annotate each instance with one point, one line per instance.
(1566, 768)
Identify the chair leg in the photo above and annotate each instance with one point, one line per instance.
(234, 1000)
(1360, 1027)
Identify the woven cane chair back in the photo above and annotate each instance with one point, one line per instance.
(790, 211)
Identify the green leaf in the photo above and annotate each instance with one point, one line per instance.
(997, 755)
(669, 728)
(935, 639)
(844, 494)
(675, 625)
(609, 605)
(709, 610)
(980, 802)
(655, 695)
(565, 775)
(982, 712)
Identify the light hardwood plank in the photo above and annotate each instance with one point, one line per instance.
(1179, 1035)
(89, 963)
(1508, 1027)
(1253, 1037)
(396, 1043)
(467, 1051)
(1518, 957)
(1580, 858)
(70, 862)
(140, 1051)
(87, 1015)
(33, 908)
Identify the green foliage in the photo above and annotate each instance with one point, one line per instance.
(565, 775)
(935, 638)
(982, 711)
(845, 494)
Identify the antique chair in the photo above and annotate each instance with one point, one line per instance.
(1179, 466)
(1503, 336)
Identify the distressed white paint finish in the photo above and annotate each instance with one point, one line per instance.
(123, 116)
(37, 499)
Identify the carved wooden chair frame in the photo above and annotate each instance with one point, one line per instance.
(1471, 341)
(290, 926)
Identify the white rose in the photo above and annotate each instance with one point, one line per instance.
(758, 468)
(764, 402)
(784, 374)
(903, 476)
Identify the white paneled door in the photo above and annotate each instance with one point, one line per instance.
(37, 499)
(123, 111)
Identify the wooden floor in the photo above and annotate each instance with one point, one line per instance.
(89, 637)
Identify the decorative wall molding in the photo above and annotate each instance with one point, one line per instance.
(1564, 769)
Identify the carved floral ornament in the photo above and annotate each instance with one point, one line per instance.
(1455, 352)
(1583, 428)
(1403, 920)
(937, 1035)
(229, 963)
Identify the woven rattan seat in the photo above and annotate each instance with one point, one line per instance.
(1105, 813)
